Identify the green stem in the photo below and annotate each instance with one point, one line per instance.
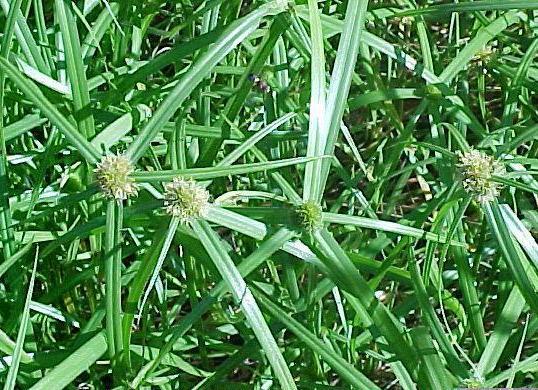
(109, 278)
(117, 265)
(6, 231)
(114, 218)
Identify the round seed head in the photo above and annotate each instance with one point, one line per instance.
(311, 216)
(408, 20)
(432, 92)
(478, 169)
(185, 199)
(112, 173)
(485, 55)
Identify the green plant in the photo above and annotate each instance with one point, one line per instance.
(268, 194)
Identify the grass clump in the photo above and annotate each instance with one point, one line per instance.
(404, 134)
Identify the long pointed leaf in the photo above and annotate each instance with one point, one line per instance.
(243, 296)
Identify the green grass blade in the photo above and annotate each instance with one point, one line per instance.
(346, 58)
(10, 261)
(247, 266)
(511, 103)
(26, 40)
(435, 374)
(473, 6)
(527, 135)
(431, 319)
(316, 132)
(466, 280)
(386, 226)
(22, 126)
(213, 172)
(233, 35)
(237, 103)
(33, 93)
(345, 275)
(528, 365)
(174, 223)
(237, 222)
(113, 133)
(21, 335)
(147, 265)
(98, 30)
(372, 97)
(502, 331)
(520, 233)
(6, 230)
(243, 297)
(518, 264)
(75, 68)
(349, 373)
(251, 141)
(42, 78)
(8, 347)
(113, 264)
(75, 364)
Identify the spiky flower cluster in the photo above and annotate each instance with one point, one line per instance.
(482, 60)
(311, 215)
(433, 92)
(407, 20)
(113, 174)
(478, 169)
(485, 55)
(185, 199)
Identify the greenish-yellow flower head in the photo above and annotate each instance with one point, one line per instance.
(113, 174)
(478, 169)
(407, 21)
(185, 199)
(311, 215)
(484, 55)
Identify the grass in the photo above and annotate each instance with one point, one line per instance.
(371, 172)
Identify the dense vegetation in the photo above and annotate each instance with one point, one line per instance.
(268, 194)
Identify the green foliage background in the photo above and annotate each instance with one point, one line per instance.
(340, 248)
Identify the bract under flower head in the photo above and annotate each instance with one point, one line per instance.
(185, 199)
(113, 174)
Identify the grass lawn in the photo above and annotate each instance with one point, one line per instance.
(268, 194)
